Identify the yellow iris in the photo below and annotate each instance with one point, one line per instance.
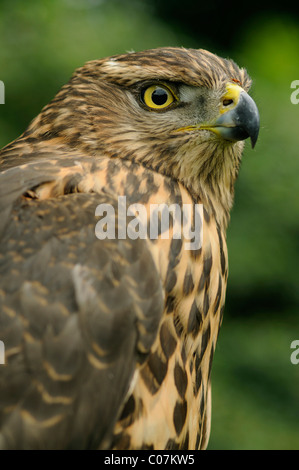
(157, 97)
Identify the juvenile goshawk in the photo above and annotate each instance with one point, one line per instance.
(109, 336)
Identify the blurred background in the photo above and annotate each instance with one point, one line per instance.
(255, 385)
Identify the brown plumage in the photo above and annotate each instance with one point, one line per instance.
(109, 343)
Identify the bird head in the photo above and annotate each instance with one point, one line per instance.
(182, 112)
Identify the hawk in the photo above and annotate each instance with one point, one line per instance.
(109, 340)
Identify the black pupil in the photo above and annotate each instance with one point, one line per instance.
(159, 96)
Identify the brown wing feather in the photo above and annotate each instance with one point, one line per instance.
(73, 311)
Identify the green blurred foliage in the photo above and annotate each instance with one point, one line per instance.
(255, 386)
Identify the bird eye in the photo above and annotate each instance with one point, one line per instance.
(157, 97)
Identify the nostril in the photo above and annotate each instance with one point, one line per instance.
(227, 102)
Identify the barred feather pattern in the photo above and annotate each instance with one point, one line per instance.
(92, 143)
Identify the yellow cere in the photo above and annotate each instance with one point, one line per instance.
(232, 94)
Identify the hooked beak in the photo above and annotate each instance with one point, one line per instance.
(239, 116)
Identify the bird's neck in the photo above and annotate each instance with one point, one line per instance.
(209, 174)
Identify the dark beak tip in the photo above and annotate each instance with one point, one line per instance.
(251, 118)
(253, 139)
